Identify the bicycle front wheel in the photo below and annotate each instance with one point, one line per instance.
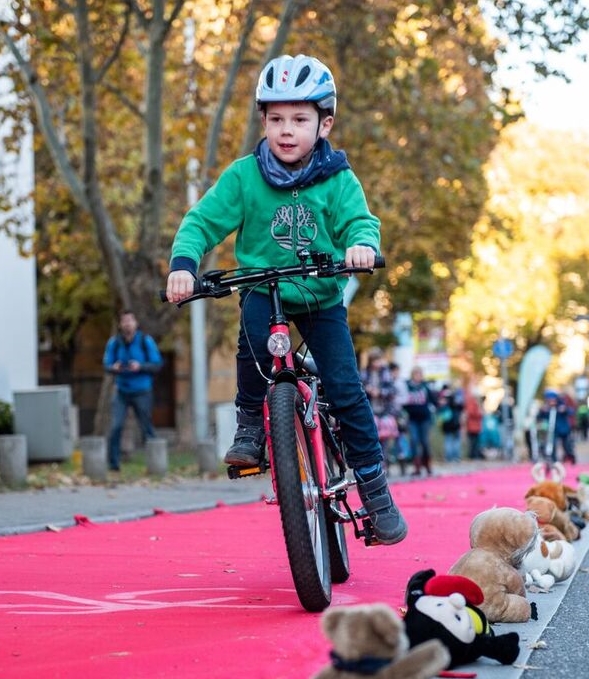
(336, 534)
(299, 498)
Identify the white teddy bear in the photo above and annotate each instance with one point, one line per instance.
(535, 566)
(563, 559)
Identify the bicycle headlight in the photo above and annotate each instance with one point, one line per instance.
(279, 344)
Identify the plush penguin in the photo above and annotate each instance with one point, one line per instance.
(446, 607)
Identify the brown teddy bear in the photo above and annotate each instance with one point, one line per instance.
(568, 517)
(499, 540)
(555, 524)
(370, 640)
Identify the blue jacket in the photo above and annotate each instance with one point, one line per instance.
(143, 349)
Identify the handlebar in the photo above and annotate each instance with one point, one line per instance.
(222, 282)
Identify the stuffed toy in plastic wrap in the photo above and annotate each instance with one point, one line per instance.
(370, 641)
(447, 607)
(500, 538)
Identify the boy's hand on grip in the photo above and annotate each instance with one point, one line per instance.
(361, 256)
(180, 286)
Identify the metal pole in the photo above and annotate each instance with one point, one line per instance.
(506, 420)
(198, 349)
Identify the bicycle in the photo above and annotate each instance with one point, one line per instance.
(306, 455)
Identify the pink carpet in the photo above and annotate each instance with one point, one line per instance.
(209, 594)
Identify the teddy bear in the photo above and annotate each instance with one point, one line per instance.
(549, 562)
(370, 640)
(566, 498)
(500, 538)
(447, 607)
(535, 566)
(555, 524)
(563, 559)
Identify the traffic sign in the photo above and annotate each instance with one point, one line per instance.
(503, 348)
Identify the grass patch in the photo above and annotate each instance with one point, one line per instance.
(181, 464)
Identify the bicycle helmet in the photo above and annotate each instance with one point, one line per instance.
(299, 78)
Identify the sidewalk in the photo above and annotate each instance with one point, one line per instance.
(35, 510)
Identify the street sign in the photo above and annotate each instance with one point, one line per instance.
(503, 348)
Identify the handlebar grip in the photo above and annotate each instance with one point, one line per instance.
(201, 289)
(379, 262)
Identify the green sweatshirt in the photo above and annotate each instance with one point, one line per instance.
(272, 224)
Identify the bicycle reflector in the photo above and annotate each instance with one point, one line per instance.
(279, 344)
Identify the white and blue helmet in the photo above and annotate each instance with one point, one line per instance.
(299, 78)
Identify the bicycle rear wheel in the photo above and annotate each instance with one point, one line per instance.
(299, 498)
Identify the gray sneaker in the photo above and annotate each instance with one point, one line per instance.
(247, 449)
(387, 521)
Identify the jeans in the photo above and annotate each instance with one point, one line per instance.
(327, 336)
(568, 448)
(419, 439)
(474, 446)
(452, 446)
(141, 402)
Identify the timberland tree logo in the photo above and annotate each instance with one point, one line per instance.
(294, 226)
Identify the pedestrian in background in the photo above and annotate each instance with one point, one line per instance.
(419, 406)
(582, 420)
(449, 415)
(554, 423)
(473, 425)
(402, 447)
(376, 379)
(377, 382)
(133, 358)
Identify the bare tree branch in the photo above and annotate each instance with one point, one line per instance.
(117, 49)
(44, 119)
(214, 130)
(290, 9)
(107, 237)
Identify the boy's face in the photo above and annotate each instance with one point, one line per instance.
(292, 130)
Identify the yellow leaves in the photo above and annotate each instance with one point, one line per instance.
(526, 267)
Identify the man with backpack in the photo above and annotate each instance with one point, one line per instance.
(133, 358)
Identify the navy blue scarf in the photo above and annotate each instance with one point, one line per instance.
(324, 163)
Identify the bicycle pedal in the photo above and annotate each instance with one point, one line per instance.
(234, 472)
(370, 539)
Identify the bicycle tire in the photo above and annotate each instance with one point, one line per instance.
(302, 511)
(339, 559)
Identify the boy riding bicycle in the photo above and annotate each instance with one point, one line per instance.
(294, 192)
